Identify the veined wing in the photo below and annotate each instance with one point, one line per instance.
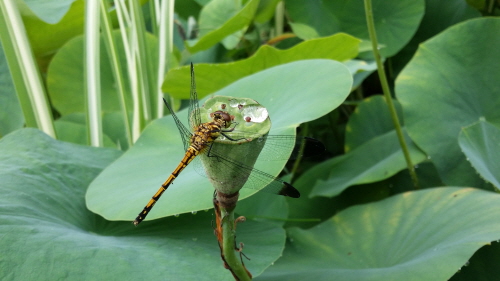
(282, 147)
(253, 178)
(185, 132)
(194, 108)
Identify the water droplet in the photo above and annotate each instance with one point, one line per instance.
(194, 212)
(256, 113)
(467, 263)
(176, 215)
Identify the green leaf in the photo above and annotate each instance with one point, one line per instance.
(292, 94)
(266, 10)
(72, 128)
(375, 160)
(213, 77)
(482, 266)
(11, 116)
(370, 119)
(439, 15)
(66, 28)
(395, 21)
(264, 207)
(450, 84)
(218, 20)
(481, 145)
(48, 233)
(66, 72)
(50, 11)
(373, 152)
(423, 235)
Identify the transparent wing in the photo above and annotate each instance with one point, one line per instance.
(294, 147)
(194, 109)
(251, 177)
(273, 150)
(185, 132)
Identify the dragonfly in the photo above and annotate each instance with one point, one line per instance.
(201, 141)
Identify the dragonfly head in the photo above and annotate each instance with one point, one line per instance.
(222, 117)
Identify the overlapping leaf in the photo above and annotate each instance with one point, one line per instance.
(213, 77)
(424, 235)
(448, 85)
(481, 144)
(395, 21)
(291, 93)
(48, 233)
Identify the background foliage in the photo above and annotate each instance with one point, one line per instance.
(66, 208)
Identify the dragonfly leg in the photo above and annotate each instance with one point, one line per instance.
(211, 155)
(231, 139)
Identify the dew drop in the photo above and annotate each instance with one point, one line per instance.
(194, 212)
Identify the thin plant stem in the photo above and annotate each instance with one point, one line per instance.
(301, 151)
(92, 73)
(166, 46)
(109, 40)
(279, 16)
(387, 93)
(24, 70)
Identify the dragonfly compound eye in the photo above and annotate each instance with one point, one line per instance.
(219, 114)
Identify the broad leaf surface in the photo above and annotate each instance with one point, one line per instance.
(48, 233)
(65, 77)
(370, 119)
(49, 33)
(438, 16)
(424, 235)
(212, 30)
(213, 77)
(481, 145)
(373, 152)
(482, 266)
(375, 160)
(395, 21)
(448, 85)
(50, 11)
(11, 116)
(291, 93)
